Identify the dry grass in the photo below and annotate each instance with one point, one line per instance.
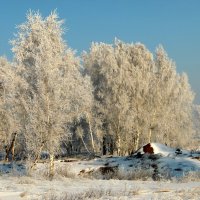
(23, 194)
(193, 194)
(41, 170)
(88, 194)
(64, 171)
(51, 196)
(136, 174)
(25, 180)
(94, 194)
(190, 176)
(134, 191)
(120, 174)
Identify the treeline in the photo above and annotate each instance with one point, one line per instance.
(113, 99)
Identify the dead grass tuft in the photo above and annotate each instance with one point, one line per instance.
(88, 194)
(23, 194)
(190, 176)
(136, 174)
(25, 180)
(64, 171)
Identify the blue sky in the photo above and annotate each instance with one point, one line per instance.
(173, 23)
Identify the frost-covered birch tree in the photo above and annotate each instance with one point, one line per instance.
(7, 123)
(171, 115)
(10, 109)
(118, 72)
(196, 119)
(57, 93)
(139, 97)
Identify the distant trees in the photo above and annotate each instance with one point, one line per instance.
(117, 81)
(139, 96)
(196, 119)
(170, 114)
(10, 125)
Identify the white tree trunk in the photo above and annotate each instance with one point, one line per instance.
(150, 134)
(85, 145)
(51, 167)
(118, 145)
(37, 156)
(137, 140)
(91, 134)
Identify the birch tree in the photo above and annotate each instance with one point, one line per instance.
(57, 92)
(196, 119)
(118, 74)
(9, 106)
(139, 98)
(7, 122)
(172, 106)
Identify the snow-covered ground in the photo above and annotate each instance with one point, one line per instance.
(14, 188)
(140, 176)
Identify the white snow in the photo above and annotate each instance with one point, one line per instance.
(13, 188)
(14, 184)
(162, 149)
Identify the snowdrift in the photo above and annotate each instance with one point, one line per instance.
(155, 160)
(152, 161)
(157, 148)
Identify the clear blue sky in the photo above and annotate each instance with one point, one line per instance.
(173, 23)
